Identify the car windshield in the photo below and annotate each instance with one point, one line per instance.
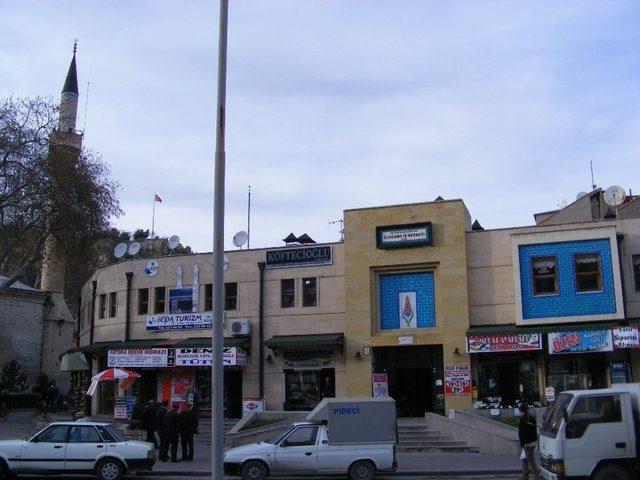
(554, 416)
(115, 433)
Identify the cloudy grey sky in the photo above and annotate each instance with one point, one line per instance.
(341, 104)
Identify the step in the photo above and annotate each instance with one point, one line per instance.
(435, 449)
(434, 443)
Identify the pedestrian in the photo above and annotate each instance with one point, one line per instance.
(136, 422)
(192, 397)
(151, 422)
(53, 396)
(528, 435)
(164, 446)
(171, 431)
(188, 423)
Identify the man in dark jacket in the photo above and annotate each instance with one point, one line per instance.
(171, 431)
(164, 446)
(151, 422)
(528, 435)
(188, 423)
(137, 415)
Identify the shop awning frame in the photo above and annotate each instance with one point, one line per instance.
(99, 347)
(334, 341)
(512, 329)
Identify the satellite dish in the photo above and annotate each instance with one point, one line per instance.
(134, 248)
(240, 238)
(581, 194)
(120, 250)
(614, 196)
(173, 242)
(564, 203)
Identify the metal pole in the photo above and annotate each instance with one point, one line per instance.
(153, 215)
(249, 220)
(217, 372)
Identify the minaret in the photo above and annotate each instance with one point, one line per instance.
(64, 147)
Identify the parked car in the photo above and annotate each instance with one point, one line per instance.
(342, 436)
(76, 447)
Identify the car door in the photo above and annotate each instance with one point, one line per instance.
(597, 428)
(298, 451)
(45, 452)
(83, 447)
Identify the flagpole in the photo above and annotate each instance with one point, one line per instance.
(153, 216)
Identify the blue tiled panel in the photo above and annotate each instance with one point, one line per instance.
(568, 302)
(390, 288)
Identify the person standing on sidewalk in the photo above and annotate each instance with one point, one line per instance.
(192, 397)
(528, 435)
(187, 422)
(164, 446)
(171, 432)
(151, 422)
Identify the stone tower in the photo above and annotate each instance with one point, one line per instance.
(65, 145)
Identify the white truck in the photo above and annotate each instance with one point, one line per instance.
(593, 434)
(354, 436)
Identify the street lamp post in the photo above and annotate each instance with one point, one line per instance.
(217, 371)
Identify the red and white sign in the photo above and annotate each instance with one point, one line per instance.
(137, 357)
(626, 337)
(250, 405)
(457, 380)
(504, 343)
(380, 385)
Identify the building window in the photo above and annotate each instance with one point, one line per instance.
(231, 296)
(588, 276)
(287, 293)
(143, 301)
(309, 292)
(113, 304)
(636, 271)
(102, 306)
(159, 298)
(545, 275)
(208, 297)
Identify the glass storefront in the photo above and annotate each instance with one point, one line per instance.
(509, 377)
(309, 377)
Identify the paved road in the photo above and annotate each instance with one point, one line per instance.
(162, 477)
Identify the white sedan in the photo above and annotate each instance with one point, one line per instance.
(76, 447)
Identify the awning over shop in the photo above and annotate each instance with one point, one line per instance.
(73, 362)
(307, 342)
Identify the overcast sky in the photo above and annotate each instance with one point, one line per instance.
(341, 104)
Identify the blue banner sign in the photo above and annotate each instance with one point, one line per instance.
(181, 321)
(581, 341)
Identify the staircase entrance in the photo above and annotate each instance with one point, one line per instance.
(411, 373)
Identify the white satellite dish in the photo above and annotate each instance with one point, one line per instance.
(120, 250)
(614, 196)
(581, 194)
(134, 248)
(240, 238)
(173, 241)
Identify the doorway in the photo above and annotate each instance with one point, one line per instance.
(412, 374)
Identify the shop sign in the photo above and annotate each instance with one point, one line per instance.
(301, 360)
(380, 385)
(580, 341)
(120, 408)
(626, 337)
(457, 380)
(151, 268)
(179, 321)
(137, 357)
(406, 340)
(408, 310)
(298, 257)
(202, 357)
(504, 343)
(550, 394)
(399, 236)
(250, 405)
(452, 414)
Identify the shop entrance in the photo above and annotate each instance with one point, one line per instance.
(411, 373)
(505, 378)
(232, 393)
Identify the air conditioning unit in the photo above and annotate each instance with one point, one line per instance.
(241, 327)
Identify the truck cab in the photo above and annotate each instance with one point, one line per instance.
(592, 434)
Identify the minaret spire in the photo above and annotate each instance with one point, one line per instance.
(69, 98)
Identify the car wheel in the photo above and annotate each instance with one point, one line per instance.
(254, 470)
(362, 470)
(612, 472)
(110, 469)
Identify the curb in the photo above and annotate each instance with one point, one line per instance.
(407, 473)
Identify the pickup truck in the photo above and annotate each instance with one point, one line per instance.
(593, 434)
(355, 436)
